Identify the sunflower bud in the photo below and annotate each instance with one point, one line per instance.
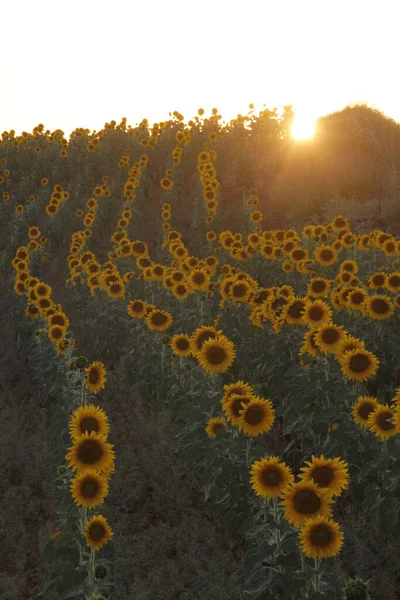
(81, 362)
(61, 469)
(357, 589)
(101, 572)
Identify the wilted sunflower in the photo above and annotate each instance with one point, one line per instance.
(329, 337)
(358, 365)
(136, 309)
(91, 451)
(256, 417)
(321, 538)
(89, 488)
(97, 532)
(269, 477)
(382, 422)
(363, 408)
(95, 377)
(216, 355)
(88, 418)
(159, 320)
(214, 424)
(305, 500)
(181, 345)
(379, 307)
(316, 314)
(330, 474)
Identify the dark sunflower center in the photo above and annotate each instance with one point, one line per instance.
(255, 415)
(203, 337)
(271, 477)
(88, 488)
(89, 424)
(323, 476)
(57, 333)
(315, 313)
(261, 297)
(296, 309)
(268, 250)
(180, 290)
(94, 375)
(379, 280)
(340, 222)
(137, 307)
(237, 405)
(346, 276)
(357, 298)
(330, 336)
(390, 247)
(158, 319)
(145, 262)
(239, 290)
(379, 306)
(365, 410)
(139, 248)
(326, 255)
(382, 420)
(216, 355)
(158, 271)
(318, 286)
(44, 302)
(217, 426)
(97, 532)
(394, 281)
(199, 278)
(359, 363)
(58, 320)
(183, 344)
(115, 288)
(306, 502)
(90, 452)
(321, 536)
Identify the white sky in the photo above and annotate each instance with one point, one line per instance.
(80, 63)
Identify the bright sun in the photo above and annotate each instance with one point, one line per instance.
(303, 127)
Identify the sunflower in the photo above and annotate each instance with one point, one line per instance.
(382, 422)
(309, 346)
(330, 474)
(214, 424)
(379, 307)
(181, 345)
(350, 266)
(42, 290)
(340, 223)
(239, 388)
(319, 287)
(235, 404)
(325, 255)
(56, 332)
(116, 289)
(240, 291)
(159, 320)
(58, 318)
(305, 500)
(358, 365)
(201, 335)
(136, 309)
(269, 477)
(19, 287)
(321, 538)
(377, 280)
(356, 299)
(216, 355)
(329, 337)
(95, 377)
(89, 488)
(256, 417)
(393, 281)
(198, 279)
(350, 343)
(316, 314)
(33, 233)
(363, 408)
(294, 311)
(88, 418)
(91, 451)
(97, 532)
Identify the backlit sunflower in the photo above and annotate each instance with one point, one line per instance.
(379, 307)
(136, 309)
(363, 408)
(181, 345)
(321, 538)
(88, 418)
(382, 422)
(270, 476)
(159, 320)
(214, 424)
(216, 355)
(97, 532)
(95, 377)
(358, 365)
(305, 500)
(91, 451)
(330, 474)
(329, 337)
(89, 488)
(316, 314)
(256, 417)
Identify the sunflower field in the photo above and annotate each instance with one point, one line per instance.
(272, 351)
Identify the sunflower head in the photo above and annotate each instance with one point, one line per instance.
(216, 355)
(330, 474)
(214, 424)
(95, 377)
(305, 500)
(382, 421)
(91, 451)
(88, 418)
(256, 417)
(181, 345)
(358, 365)
(89, 488)
(97, 532)
(363, 408)
(269, 477)
(321, 538)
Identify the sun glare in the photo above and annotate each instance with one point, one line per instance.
(303, 127)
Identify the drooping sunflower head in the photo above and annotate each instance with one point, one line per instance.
(181, 345)
(91, 451)
(330, 474)
(382, 422)
(257, 417)
(321, 538)
(214, 425)
(363, 408)
(216, 355)
(358, 365)
(97, 532)
(269, 477)
(95, 377)
(89, 488)
(305, 500)
(88, 418)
